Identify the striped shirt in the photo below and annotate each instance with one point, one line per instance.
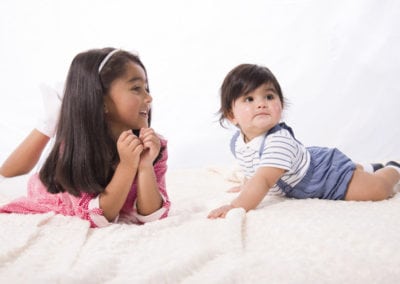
(279, 150)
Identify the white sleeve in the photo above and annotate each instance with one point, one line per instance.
(153, 216)
(99, 220)
(280, 152)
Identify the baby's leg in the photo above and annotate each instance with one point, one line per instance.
(372, 186)
(370, 167)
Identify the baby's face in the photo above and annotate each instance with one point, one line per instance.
(257, 112)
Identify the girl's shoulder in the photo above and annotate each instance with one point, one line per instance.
(163, 140)
(163, 155)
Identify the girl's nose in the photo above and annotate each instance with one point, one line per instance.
(148, 98)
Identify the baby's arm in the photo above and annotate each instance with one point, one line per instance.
(253, 192)
(257, 187)
(238, 187)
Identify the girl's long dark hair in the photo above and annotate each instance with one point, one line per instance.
(84, 153)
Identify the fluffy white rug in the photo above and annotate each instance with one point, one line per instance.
(283, 241)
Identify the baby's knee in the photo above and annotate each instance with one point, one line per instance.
(383, 189)
(368, 187)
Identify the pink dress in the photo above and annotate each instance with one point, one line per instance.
(86, 206)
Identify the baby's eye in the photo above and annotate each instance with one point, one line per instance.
(248, 99)
(270, 97)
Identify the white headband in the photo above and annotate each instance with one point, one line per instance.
(106, 59)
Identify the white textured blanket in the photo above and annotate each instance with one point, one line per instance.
(283, 241)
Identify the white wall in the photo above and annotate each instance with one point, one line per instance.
(337, 61)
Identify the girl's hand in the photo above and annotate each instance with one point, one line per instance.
(220, 212)
(129, 148)
(151, 146)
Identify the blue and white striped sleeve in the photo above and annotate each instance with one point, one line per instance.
(279, 151)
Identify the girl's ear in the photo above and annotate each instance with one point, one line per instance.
(106, 103)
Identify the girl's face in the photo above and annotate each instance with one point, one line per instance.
(257, 112)
(128, 103)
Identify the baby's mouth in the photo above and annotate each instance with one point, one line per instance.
(262, 114)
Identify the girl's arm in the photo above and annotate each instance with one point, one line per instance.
(149, 197)
(25, 156)
(113, 198)
(253, 192)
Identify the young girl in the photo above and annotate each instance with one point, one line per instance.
(274, 160)
(106, 164)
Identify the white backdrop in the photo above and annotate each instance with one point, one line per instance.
(338, 63)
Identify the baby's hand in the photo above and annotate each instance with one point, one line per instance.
(220, 212)
(235, 189)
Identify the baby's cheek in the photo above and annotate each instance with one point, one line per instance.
(277, 107)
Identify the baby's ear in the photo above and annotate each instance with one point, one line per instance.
(229, 116)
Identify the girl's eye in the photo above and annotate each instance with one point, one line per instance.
(270, 97)
(248, 99)
(136, 88)
(140, 88)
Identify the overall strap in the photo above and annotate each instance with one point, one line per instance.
(274, 129)
(233, 142)
(280, 126)
(280, 183)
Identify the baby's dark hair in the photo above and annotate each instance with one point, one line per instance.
(242, 80)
